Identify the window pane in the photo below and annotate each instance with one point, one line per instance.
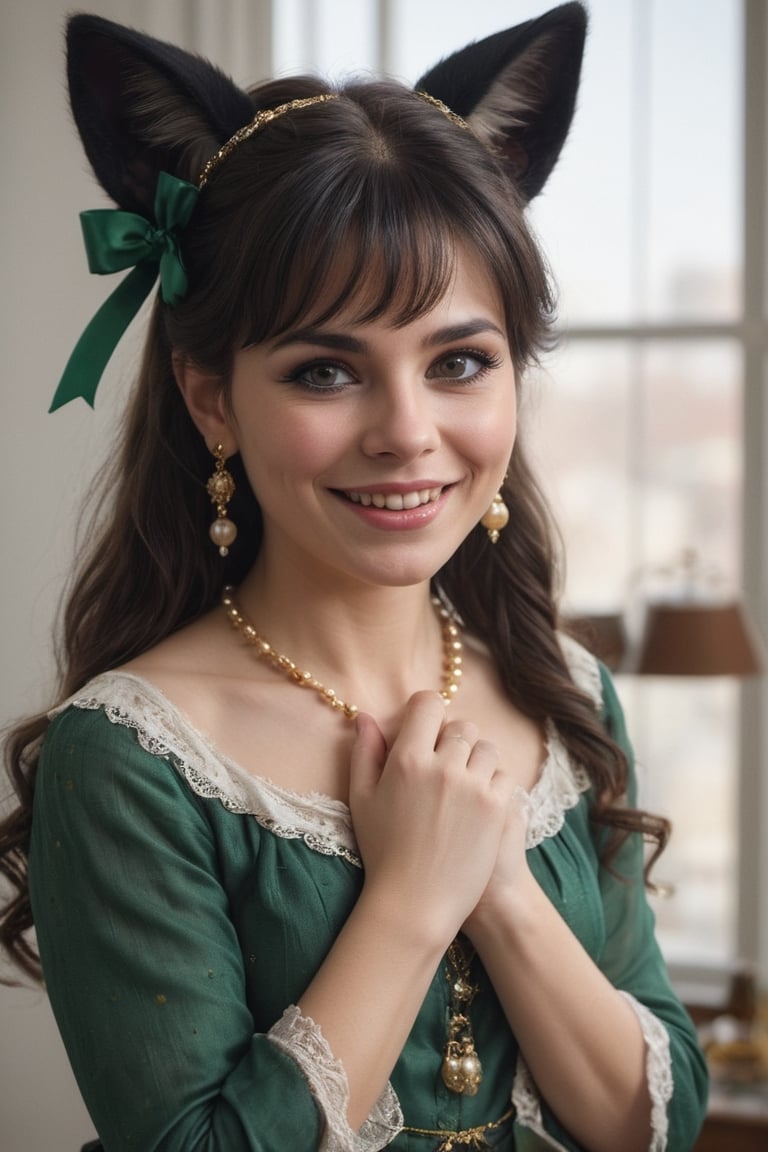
(639, 447)
(577, 418)
(690, 469)
(694, 161)
(585, 214)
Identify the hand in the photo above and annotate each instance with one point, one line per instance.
(511, 875)
(429, 814)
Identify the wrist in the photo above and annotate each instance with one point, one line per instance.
(419, 926)
(509, 910)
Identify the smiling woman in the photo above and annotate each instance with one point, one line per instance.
(373, 449)
(415, 918)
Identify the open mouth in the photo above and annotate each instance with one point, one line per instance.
(395, 501)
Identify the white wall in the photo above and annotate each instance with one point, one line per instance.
(48, 297)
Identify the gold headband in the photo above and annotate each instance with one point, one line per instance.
(260, 119)
(267, 115)
(446, 111)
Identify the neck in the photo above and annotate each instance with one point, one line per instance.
(375, 646)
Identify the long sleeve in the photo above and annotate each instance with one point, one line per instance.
(608, 909)
(633, 962)
(142, 961)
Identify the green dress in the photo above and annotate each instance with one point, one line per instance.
(183, 905)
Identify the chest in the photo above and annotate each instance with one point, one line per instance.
(296, 740)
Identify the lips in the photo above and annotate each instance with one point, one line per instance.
(395, 501)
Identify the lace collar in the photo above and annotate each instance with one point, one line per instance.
(322, 822)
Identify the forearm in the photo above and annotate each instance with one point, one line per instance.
(580, 1038)
(368, 992)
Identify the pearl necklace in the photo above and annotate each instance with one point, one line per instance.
(452, 658)
(461, 1069)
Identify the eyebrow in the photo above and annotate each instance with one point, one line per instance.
(345, 343)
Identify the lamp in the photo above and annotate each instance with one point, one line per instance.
(695, 634)
(688, 638)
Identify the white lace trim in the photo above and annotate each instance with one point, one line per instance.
(302, 1040)
(658, 1070)
(324, 824)
(162, 730)
(583, 667)
(527, 1104)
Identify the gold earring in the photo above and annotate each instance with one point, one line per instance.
(221, 489)
(496, 518)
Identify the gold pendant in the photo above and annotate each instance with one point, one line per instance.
(461, 1070)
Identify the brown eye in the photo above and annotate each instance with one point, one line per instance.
(322, 376)
(454, 367)
(461, 366)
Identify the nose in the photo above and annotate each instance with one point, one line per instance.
(402, 421)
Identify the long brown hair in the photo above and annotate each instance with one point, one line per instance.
(381, 174)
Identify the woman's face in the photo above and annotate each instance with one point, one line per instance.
(374, 450)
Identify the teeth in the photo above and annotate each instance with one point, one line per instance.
(394, 501)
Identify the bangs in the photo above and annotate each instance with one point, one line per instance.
(361, 206)
(380, 254)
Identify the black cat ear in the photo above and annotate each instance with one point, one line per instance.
(517, 89)
(142, 106)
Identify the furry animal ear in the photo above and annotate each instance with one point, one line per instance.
(517, 90)
(142, 106)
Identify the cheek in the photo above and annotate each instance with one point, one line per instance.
(490, 436)
(287, 448)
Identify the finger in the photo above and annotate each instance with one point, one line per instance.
(423, 720)
(457, 735)
(485, 757)
(369, 751)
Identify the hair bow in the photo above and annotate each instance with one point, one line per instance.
(115, 240)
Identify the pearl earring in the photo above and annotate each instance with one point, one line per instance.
(496, 518)
(221, 489)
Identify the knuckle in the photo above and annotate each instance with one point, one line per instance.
(487, 750)
(461, 730)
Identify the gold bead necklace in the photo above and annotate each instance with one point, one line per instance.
(452, 655)
(461, 1070)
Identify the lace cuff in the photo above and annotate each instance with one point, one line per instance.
(301, 1039)
(658, 1067)
(527, 1104)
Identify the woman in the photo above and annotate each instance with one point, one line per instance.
(405, 906)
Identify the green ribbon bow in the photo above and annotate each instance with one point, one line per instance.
(115, 240)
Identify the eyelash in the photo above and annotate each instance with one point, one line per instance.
(487, 362)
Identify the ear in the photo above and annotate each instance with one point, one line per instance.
(204, 397)
(142, 106)
(517, 90)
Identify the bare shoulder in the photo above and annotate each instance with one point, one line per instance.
(249, 714)
(186, 665)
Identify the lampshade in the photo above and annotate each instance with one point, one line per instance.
(697, 639)
(602, 634)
